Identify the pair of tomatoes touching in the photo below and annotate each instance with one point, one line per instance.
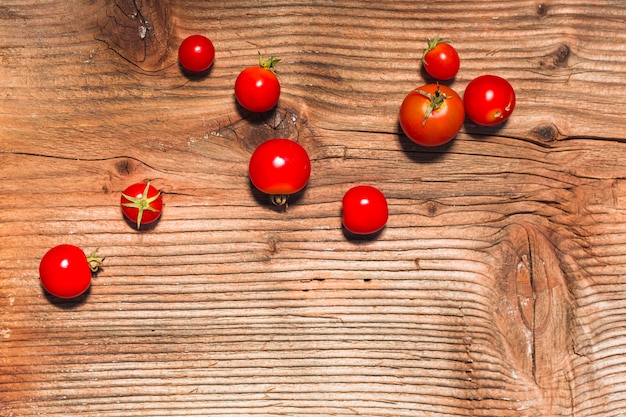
(256, 88)
(433, 114)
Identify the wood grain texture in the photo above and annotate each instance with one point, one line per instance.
(496, 289)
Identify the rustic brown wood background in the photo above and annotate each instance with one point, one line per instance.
(498, 287)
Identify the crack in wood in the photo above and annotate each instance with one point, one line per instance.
(137, 31)
(534, 312)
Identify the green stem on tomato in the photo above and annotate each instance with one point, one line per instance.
(95, 262)
(432, 43)
(142, 204)
(436, 101)
(269, 64)
(279, 199)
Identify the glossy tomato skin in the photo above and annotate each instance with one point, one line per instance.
(489, 100)
(364, 210)
(441, 60)
(65, 272)
(280, 167)
(257, 89)
(196, 53)
(438, 127)
(139, 206)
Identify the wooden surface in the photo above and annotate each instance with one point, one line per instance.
(498, 287)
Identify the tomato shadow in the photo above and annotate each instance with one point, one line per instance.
(429, 79)
(422, 154)
(248, 115)
(67, 303)
(255, 118)
(360, 239)
(357, 238)
(144, 227)
(264, 200)
(195, 76)
(476, 131)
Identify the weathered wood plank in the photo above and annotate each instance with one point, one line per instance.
(495, 289)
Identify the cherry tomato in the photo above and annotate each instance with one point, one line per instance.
(279, 167)
(432, 115)
(65, 271)
(440, 59)
(196, 53)
(489, 100)
(364, 210)
(142, 203)
(257, 88)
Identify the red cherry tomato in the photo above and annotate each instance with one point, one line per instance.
(196, 53)
(279, 167)
(257, 88)
(142, 203)
(364, 210)
(489, 100)
(65, 271)
(440, 59)
(432, 115)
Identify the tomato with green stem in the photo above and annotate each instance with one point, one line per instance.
(440, 59)
(489, 100)
(257, 88)
(432, 115)
(141, 203)
(65, 271)
(364, 210)
(279, 167)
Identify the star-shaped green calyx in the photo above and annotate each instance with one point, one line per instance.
(142, 203)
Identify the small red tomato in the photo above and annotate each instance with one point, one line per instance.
(142, 203)
(440, 59)
(196, 53)
(432, 115)
(257, 88)
(364, 210)
(65, 271)
(489, 100)
(279, 167)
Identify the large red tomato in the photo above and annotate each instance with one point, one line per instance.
(279, 167)
(432, 115)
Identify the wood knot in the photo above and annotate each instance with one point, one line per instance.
(252, 129)
(272, 244)
(558, 58)
(545, 133)
(137, 31)
(542, 9)
(124, 167)
(561, 56)
(431, 208)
